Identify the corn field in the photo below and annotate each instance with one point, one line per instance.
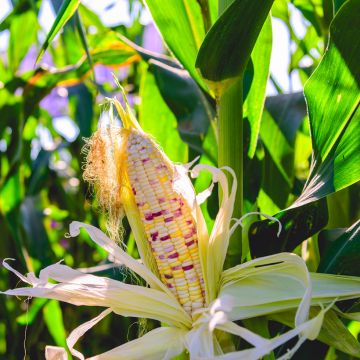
(180, 179)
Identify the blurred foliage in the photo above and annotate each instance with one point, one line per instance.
(49, 108)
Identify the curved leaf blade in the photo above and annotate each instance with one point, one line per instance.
(66, 12)
(343, 256)
(188, 103)
(227, 47)
(333, 98)
(255, 100)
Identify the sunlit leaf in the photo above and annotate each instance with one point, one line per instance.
(333, 97)
(181, 25)
(54, 321)
(157, 119)
(312, 10)
(11, 193)
(280, 10)
(254, 102)
(65, 13)
(90, 18)
(25, 23)
(307, 48)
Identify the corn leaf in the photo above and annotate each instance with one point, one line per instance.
(192, 109)
(343, 256)
(335, 115)
(66, 11)
(298, 224)
(333, 98)
(254, 102)
(338, 4)
(54, 321)
(154, 107)
(24, 23)
(227, 47)
(181, 25)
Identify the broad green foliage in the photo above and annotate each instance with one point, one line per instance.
(335, 115)
(333, 97)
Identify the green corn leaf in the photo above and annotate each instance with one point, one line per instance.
(333, 97)
(30, 315)
(181, 25)
(298, 224)
(254, 102)
(39, 82)
(227, 47)
(343, 256)
(282, 154)
(54, 322)
(280, 10)
(66, 11)
(24, 23)
(338, 4)
(157, 119)
(192, 109)
(31, 218)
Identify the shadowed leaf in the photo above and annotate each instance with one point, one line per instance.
(333, 332)
(186, 100)
(298, 224)
(227, 47)
(343, 256)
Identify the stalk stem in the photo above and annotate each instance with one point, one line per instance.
(230, 130)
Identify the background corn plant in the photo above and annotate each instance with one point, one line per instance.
(203, 93)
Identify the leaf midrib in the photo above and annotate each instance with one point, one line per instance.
(340, 130)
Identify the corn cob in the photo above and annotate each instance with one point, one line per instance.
(169, 224)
